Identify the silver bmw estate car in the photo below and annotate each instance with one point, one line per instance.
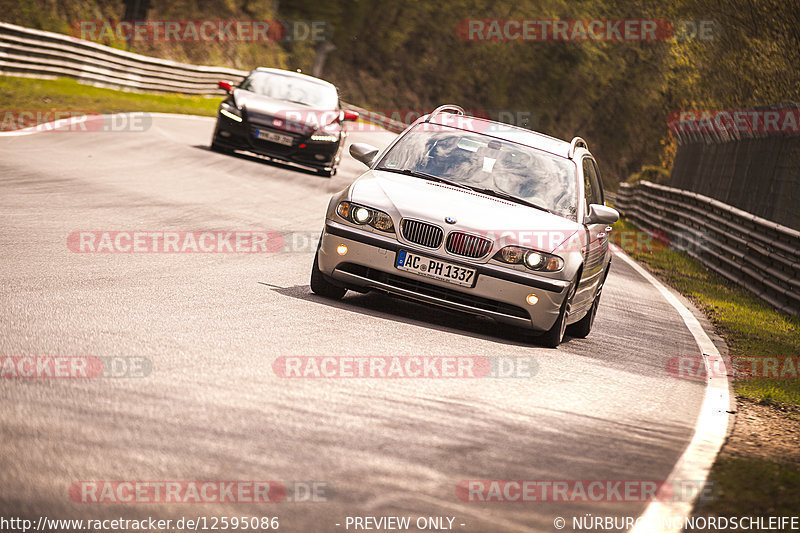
(475, 216)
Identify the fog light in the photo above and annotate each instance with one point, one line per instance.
(341, 249)
(532, 299)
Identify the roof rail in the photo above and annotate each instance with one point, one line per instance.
(576, 143)
(445, 108)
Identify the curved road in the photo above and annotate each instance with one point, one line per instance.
(211, 325)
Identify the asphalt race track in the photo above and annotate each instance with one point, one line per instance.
(212, 324)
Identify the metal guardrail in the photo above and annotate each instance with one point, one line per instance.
(755, 253)
(41, 54)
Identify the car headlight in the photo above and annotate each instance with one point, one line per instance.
(361, 215)
(324, 138)
(532, 259)
(329, 133)
(230, 111)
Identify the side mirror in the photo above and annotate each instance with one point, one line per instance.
(601, 214)
(350, 116)
(364, 152)
(225, 85)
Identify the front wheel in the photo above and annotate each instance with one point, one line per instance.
(217, 148)
(583, 327)
(320, 284)
(553, 336)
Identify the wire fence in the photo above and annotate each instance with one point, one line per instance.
(746, 158)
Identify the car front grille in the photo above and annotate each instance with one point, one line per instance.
(279, 124)
(422, 233)
(442, 293)
(467, 245)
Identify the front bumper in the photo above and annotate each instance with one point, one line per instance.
(498, 293)
(240, 136)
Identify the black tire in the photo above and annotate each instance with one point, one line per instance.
(217, 148)
(320, 284)
(583, 327)
(553, 336)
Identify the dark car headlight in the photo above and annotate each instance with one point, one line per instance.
(358, 214)
(324, 137)
(329, 133)
(532, 259)
(230, 111)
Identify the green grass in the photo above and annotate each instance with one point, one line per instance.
(60, 95)
(750, 326)
(741, 486)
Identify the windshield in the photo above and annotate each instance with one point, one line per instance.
(292, 89)
(484, 162)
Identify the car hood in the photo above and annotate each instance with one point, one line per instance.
(281, 114)
(505, 222)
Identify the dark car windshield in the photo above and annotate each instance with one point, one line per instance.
(292, 89)
(484, 162)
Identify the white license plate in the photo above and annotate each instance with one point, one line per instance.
(274, 137)
(435, 269)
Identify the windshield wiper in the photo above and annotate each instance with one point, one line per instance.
(423, 175)
(506, 196)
